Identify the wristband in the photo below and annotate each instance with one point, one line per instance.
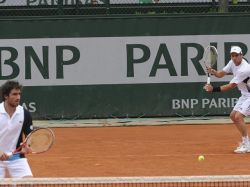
(216, 89)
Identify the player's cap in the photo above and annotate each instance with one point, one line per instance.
(236, 49)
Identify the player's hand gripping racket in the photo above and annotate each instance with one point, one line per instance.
(210, 59)
(38, 141)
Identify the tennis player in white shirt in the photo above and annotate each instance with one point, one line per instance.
(240, 69)
(15, 123)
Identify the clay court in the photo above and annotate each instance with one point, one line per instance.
(166, 150)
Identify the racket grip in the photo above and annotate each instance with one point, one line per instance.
(208, 80)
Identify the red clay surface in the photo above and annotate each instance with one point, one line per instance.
(142, 151)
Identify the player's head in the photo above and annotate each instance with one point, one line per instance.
(235, 49)
(236, 54)
(11, 90)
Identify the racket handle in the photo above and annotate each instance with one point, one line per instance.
(208, 80)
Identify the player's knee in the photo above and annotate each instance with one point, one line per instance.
(232, 116)
(238, 117)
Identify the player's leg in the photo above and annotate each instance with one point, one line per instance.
(238, 114)
(238, 119)
(19, 168)
(2, 169)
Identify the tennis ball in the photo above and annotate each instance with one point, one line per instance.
(201, 158)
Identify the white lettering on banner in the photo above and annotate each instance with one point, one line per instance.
(31, 107)
(112, 60)
(203, 103)
(184, 103)
(219, 103)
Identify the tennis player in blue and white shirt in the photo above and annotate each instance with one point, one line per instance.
(240, 69)
(15, 122)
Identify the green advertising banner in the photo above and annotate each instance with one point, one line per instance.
(119, 66)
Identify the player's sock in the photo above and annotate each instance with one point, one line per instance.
(245, 140)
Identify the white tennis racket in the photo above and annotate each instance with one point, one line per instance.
(210, 57)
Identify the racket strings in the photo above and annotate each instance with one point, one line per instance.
(210, 56)
(40, 141)
(213, 56)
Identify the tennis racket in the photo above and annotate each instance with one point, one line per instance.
(38, 141)
(210, 56)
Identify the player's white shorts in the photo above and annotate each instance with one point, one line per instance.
(243, 105)
(18, 168)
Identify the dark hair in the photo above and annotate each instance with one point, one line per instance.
(8, 86)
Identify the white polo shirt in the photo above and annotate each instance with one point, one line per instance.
(10, 128)
(241, 75)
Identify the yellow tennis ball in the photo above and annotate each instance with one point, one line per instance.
(201, 158)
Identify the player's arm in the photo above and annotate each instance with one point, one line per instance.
(28, 123)
(4, 156)
(218, 74)
(27, 128)
(223, 88)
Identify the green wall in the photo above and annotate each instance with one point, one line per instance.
(122, 100)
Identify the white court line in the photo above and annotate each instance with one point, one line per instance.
(143, 156)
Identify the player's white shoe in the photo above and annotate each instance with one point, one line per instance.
(243, 148)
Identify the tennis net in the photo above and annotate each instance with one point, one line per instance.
(171, 181)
